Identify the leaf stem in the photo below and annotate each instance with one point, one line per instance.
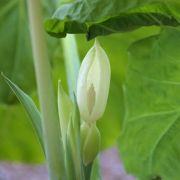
(50, 123)
(72, 62)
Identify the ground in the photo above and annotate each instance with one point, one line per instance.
(111, 168)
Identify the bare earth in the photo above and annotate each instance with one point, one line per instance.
(111, 168)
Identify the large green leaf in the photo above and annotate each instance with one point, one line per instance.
(15, 54)
(30, 108)
(150, 142)
(103, 17)
(15, 46)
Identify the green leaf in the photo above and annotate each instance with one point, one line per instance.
(95, 172)
(29, 106)
(70, 129)
(74, 141)
(16, 53)
(15, 62)
(65, 108)
(117, 16)
(150, 142)
(68, 157)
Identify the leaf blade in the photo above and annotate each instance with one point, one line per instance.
(29, 106)
(87, 17)
(149, 143)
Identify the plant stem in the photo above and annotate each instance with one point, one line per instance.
(50, 123)
(72, 62)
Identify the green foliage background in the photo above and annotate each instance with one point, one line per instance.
(143, 105)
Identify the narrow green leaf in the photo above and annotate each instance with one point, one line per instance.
(95, 172)
(69, 163)
(75, 142)
(29, 106)
(65, 108)
(70, 129)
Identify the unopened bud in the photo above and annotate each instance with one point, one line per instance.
(93, 84)
(90, 142)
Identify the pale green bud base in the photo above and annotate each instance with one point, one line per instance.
(90, 142)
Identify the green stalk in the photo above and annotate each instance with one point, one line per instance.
(50, 123)
(72, 62)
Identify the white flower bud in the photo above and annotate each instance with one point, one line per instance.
(93, 84)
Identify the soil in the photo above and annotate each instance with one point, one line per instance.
(111, 168)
